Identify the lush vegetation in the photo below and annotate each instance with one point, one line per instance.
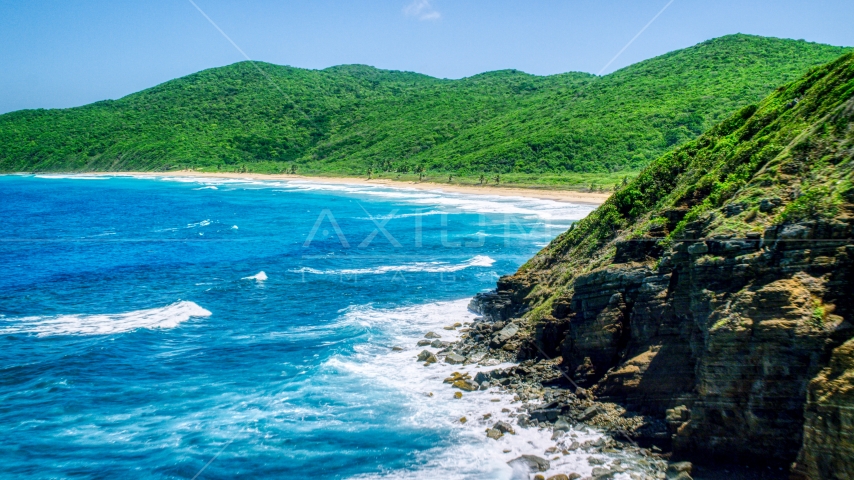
(788, 159)
(504, 126)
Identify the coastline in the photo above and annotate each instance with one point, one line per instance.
(521, 409)
(568, 196)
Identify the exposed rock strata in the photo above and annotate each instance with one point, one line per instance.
(716, 292)
(729, 336)
(829, 426)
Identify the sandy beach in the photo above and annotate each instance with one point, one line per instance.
(569, 196)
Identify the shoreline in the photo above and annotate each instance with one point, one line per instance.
(521, 408)
(567, 196)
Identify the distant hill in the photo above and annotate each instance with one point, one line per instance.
(346, 119)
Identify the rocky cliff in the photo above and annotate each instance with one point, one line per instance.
(716, 291)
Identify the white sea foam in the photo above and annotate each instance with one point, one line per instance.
(426, 267)
(259, 277)
(487, 204)
(449, 201)
(105, 324)
(203, 223)
(72, 177)
(468, 453)
(202, 181)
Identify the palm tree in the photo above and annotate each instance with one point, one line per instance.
(481, 179)
(420, 171)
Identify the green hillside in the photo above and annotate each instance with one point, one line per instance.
(348, 119)
(796, 147)
(717, 283)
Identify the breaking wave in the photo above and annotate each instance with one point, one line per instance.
(416, 267)
(106, 324)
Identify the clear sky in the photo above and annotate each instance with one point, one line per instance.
(63, 53)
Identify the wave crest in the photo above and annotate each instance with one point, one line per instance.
(106, 324)
(417, 267)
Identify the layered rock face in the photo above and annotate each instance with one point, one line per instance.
(829, 426)
(723, 337)
(717, 290)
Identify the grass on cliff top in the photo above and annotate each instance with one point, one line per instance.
(567, 130)
(794, 151)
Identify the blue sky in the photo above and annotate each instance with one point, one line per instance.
(61, 53)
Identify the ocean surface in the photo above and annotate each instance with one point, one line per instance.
(201, 328)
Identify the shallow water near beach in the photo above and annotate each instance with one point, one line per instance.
(163, 327)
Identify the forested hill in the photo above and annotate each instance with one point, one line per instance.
(347, 119)
(717, 283)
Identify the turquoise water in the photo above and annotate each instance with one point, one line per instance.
(158, 328)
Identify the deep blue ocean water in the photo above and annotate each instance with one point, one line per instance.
(140, 338)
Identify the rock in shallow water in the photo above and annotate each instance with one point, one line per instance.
(504, 427)
(679, 467)
(476, 357)
(601, 472)
(454, 359)
(562, 425)
(532, 463)
(464, 384)
(427, 357)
